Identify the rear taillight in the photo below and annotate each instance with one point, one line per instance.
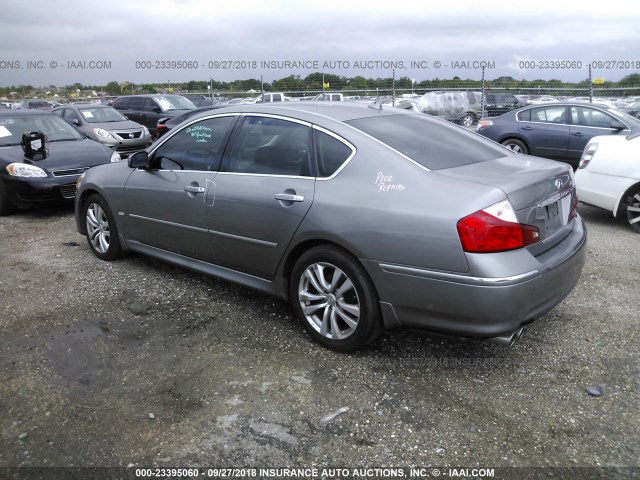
(573, 212)
(587, 155)
(482, 124)
(495, 229)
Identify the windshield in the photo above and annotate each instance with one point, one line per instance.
(433, 144)
(175, 103)
(101, 115)
(12, 127)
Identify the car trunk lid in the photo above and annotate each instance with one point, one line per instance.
(542, 192)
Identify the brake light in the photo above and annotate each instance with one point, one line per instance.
(483, 124)
(587, 155)
(573, 212)
(495, 229)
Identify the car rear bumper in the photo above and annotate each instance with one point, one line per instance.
(474, 306)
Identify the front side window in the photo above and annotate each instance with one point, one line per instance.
(198, 146)
(590, 117)
(270, 146)
(70, 115)
(149, 105)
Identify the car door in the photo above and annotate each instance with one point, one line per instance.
(546, 130)
(167, 204)
(586, 123)
(264, 189)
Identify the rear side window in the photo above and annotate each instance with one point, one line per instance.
(331, 153)
(121, 103)
(433, 144)
(549, 114)
(136, 103)
(270, 146)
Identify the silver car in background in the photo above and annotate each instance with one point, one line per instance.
(108, 126)
(363, 218)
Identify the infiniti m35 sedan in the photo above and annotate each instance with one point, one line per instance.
(363, 218)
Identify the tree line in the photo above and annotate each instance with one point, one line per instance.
(313, 82)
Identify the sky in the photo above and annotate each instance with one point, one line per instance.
(64, 42)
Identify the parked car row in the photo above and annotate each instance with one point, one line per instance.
(558, 130)
(41, 157)
(106, 125)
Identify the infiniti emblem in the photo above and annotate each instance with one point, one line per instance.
(558, 184)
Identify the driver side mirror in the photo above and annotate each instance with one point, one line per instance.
(157, 109)
(139, 160)
(618, 125)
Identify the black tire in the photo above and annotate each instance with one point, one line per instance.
(468, 119)
(342, 305)
(101, 229)
(6, 207)
(633, 210)
(516, 146)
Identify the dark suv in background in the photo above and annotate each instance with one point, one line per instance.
(499, 103)
(148, 109)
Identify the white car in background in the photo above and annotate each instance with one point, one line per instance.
(609, 176)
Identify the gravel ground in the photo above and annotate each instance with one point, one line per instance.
(136, 363)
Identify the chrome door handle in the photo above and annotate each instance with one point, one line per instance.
(287, 197)
(191, 189)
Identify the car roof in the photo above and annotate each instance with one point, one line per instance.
(340, 112)
(570, 104)
(151, 95)
(11, 112)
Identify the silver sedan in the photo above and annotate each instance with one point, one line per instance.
(363, 218)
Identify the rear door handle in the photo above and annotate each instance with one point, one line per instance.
(287, 197)
(527, 128)
(577, 134)
(192, 189)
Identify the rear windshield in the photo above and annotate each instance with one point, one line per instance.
(433, 144)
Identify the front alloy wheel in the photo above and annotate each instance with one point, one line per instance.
(335, 299)
(633, 210)
(102, 233)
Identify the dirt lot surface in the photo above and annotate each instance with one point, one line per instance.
(138, 364)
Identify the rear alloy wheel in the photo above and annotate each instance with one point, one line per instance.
(516, 145)
(335, 299)
(102, 233)
(633, 210)
(468, 119)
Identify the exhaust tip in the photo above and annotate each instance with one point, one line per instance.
(508, 339)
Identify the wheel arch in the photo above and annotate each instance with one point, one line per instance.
(296, 252)
(515, 137)
(80, 201)
(621, 203)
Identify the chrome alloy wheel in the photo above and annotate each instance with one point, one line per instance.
(633, 211)
(329, 301)
(98, 229)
